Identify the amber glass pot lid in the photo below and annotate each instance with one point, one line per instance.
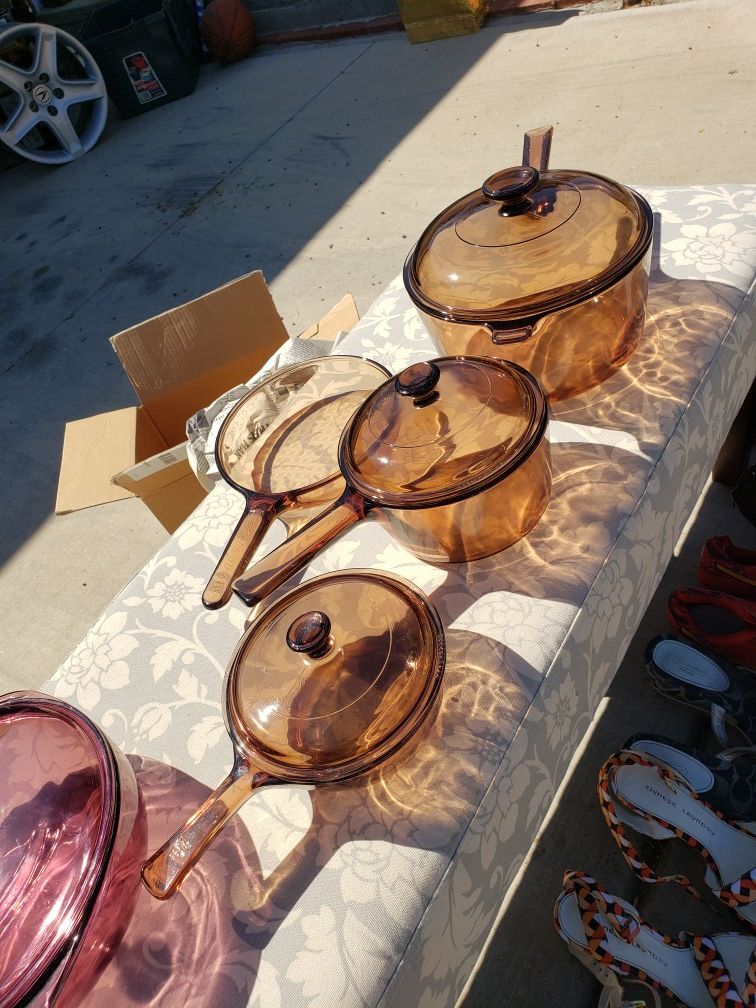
(335, 675)
(527, 243)
(443, 430)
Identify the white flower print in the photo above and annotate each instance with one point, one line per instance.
(321, 940)
(713, 249)
(97, 663)
(337, 557)
(394, 356)
(211, 523)
(177, 594)
(206, 734)
(152, 720)
(612, 594)
(363, 863)
(561, 706)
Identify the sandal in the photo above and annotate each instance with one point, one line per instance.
(714, 686)
(728, 568)
(654, 800)
(720, 622)
(608, 936)
(726, 781)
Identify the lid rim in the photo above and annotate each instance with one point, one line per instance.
(278, 373)
(437, 498)
(43, 704)
(508, 317)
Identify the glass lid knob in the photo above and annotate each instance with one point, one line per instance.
(309, 634)
(511, 185)
(418, 379)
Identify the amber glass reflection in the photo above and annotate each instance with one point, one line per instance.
(278, 448)
(327, 684)
(439, 463)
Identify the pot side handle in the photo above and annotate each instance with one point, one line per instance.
(164, 872)
(501, 335)
(537, 147)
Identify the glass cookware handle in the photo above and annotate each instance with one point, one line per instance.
(279, 565)
(259, 512)
(164, 872)
(537, 147)
(501, 335)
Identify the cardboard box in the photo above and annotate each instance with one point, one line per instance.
(177, 363)
(428, 20)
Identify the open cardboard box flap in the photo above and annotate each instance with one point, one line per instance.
(177, 363)
(341, 318)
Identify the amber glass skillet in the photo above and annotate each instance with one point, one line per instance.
(277, 447)
(329, 682)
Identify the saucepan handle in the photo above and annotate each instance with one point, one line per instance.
(246, 537)
(537, 147)
(164, 872)
(284, 561)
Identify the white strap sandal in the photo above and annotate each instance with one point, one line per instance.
(651, 798)
(727, 780)
(609, 937)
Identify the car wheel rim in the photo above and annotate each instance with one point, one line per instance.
(52, 94)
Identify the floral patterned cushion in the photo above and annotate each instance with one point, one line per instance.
(382, 892)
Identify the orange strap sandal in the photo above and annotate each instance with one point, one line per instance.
(607, 935)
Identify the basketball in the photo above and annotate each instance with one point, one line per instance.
(228, 30)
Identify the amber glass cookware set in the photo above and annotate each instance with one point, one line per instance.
(534, 288)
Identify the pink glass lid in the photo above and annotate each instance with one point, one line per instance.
(58, 811)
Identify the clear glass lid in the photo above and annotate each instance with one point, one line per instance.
(443, 430)
(335, 672)
(58, 807)
(282, 436)
(526, 243)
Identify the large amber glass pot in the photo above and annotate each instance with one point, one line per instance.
(548, 269)
(451, 455)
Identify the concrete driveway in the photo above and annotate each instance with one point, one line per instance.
(320, 164)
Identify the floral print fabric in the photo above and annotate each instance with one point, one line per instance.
(382, 891)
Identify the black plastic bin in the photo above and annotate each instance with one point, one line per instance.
(147, 50)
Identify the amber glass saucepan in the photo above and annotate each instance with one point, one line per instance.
(451, 455)
(278, 447)
(334, 678)
(546, 268)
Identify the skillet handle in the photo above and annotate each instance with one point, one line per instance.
(246, 537)
(164, 872)
(536, 148)
(284, 561)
